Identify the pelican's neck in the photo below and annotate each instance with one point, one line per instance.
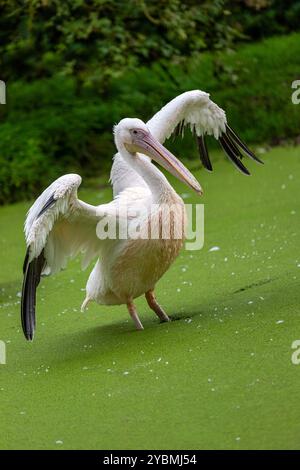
(153, 177)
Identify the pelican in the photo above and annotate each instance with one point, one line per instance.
(59, 226)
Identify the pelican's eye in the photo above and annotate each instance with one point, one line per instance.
(136, 132)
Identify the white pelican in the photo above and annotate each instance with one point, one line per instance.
(59, 225)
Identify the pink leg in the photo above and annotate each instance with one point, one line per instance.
(154, 305)
(134, 315)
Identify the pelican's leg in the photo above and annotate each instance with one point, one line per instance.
(154, 305)
(134, 315)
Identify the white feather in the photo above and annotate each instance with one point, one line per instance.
(194, 108)
(63, 230)
(123, 176)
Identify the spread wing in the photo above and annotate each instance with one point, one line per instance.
(58, 226)
(195, 109)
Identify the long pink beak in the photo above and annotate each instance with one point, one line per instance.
(148, 145)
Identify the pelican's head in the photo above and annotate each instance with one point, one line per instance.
(132, 136)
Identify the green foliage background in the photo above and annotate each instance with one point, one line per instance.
(220, 376)
(75, 68)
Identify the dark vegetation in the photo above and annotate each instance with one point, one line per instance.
(73, 69)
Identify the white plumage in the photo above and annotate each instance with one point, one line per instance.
(59, 226)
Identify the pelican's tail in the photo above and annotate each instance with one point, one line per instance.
(85, 303)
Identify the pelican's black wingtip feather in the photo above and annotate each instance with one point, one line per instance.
(233, 136)
(236, 150)
(32, 276)
(203, 152)
(225, 143)
(51, 201)
(176, 132)
(25, 260)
